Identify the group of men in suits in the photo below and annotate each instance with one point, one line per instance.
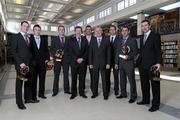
(98, 53)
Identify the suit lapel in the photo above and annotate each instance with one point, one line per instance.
(23, 40)
(59, 42)
(147, 39)
(34, 42)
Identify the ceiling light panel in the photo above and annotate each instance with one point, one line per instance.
(50, 6)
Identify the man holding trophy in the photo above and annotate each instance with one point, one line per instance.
(60, 53)
(21, 51)
(124, 59)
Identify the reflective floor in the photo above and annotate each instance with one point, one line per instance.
(62, 108)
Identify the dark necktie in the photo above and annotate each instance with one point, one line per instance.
(123, 42)
(144, 39)
(79, 43)
(62, 41)
(26, 39)
(112, 39)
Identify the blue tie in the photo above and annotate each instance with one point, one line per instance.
(79, 43)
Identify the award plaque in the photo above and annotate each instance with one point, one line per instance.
(154, 73)
(59, 55)
(125, 49)
(23, 73)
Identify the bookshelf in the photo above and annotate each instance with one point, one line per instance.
(170, 49)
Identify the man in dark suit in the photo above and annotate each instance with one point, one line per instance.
(150, 54)
(41, 57)
(61, 42)
(125, 60)
(21, 51)
(89, 37)
(113, 38)
(99, 60)
(79, 52)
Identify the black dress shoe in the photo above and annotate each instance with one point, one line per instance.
(36, 101)
(105, 97)
(72, 97)
(22, 107)
(29, 101)
(116, 93)
(93, 96)
(153, 109)
(67, 92)
(42, 96)
(121, 96)
(84, 96)
(54, 94)
(131, 101)
(142, 103)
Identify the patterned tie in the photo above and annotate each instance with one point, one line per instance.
(26, 39)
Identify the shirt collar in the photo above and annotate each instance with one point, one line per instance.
(147, 33)
(23, 33)
(35, 36)
(99, 38)
(78, 37)
(113, 36)
(126, 37)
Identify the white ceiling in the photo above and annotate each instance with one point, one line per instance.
(50, 11)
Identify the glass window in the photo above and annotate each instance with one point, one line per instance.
(132, 2)
(90, 19)
(54, 28)
(44, 27)
(71, 28)
(126, 3)
(120, 5)
(80, 23)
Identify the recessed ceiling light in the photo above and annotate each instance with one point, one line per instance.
(50, 5)
(40, 19)
(61, 22)
(44, 13)
(135, 17)
(68, 17)
(20, 1)
(89, 2)
(18, 10)
(171, 6)
(17, 16)
(77, 10)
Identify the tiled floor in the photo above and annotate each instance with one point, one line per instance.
(62, 108)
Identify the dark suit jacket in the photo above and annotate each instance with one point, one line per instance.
(56, 44)
(92, 37)
(20, 51)
(76, 53)
(132, 43)
(150, 53)
(99, 57)
(41, 54)
(113, 48)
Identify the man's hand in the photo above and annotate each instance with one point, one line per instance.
(116, 66)
(125, 57)
(46, 61)
(158, 66)
(80, 60)
(22, 65)
(107, 66)
(91, 66)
